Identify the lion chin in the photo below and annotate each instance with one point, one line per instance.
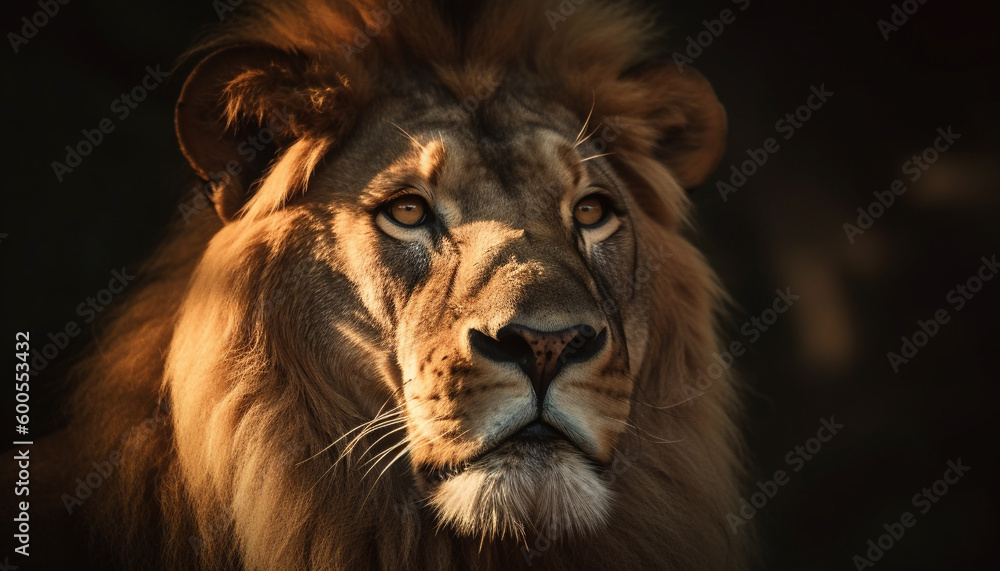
(549, 488)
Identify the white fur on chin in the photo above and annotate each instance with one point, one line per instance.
(549, 488)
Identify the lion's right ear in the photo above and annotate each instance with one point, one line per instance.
(688, 119)
(229, 122)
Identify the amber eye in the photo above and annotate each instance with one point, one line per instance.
(590, 211)
(409, 210)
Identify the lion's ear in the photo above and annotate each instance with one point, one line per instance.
(229, 123)
(688, 120)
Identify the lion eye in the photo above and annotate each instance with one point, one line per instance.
(590, 211)
(410, 210)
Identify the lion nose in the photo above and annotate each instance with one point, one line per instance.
(540, 354)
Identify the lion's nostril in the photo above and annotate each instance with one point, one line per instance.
(540, 354)
(586, 344)
(507, 348)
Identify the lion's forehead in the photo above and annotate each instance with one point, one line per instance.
(505, 154)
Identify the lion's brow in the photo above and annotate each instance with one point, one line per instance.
(432, 159)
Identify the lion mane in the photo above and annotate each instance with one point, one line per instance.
(214, 385)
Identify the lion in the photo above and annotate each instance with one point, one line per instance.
(440, 311)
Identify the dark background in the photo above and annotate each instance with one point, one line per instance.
(827, 356)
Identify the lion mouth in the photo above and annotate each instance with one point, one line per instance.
(535, 434)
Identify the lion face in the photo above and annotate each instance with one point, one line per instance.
(493, 258)
(447, 295)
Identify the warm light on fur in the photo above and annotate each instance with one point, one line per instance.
(328, 407)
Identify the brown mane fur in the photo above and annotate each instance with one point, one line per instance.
(672, 498)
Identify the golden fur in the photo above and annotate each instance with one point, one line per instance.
(307, 358)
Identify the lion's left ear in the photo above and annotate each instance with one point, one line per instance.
(687, 121)
(228, 122)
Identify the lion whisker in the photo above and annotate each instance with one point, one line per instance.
(357, 439)
(323, 475)
(372, 428)
(381, 438)
(640, 431)
(409, 136)
(596, 157)
(442, 435)
(670, 406)
(406, 450)
(335, 463)
(395, 411)
(583, 129)
(378, 457)
(587, 138)
(375, 461)
(656, 439)
(379, 418)
(648, 402)
(653, 406)
(369, 428)
(351, 444)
